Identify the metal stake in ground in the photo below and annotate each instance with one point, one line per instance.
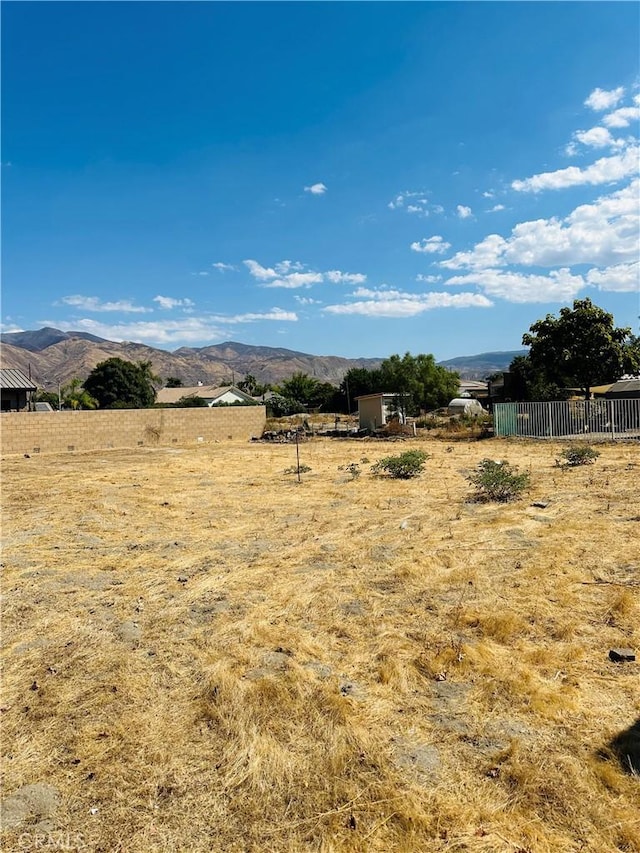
(298, 452)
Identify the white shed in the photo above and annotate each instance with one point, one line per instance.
(374, 410)
(465, 406)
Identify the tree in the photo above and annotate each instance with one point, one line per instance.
(531, 383)
(192, 403)
(419, 382)
(300, 387)
(50, 397)
(580, 347)
(74, 396)
(173, 382)
(118, 384)
(251, 386)
(632, 355)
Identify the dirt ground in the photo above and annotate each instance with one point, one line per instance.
(202, 654)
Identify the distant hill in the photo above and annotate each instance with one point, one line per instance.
(482, 365)
(55, 356)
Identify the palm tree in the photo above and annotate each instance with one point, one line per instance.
(75, 397)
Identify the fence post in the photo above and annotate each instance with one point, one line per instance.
(611, 421)
(550, 420)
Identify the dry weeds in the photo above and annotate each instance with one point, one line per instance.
(201, 654)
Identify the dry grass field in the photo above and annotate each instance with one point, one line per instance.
(202, 654)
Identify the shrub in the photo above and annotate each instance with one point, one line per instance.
(353, 468)
(403, 467)
(428, 423)
(497, 481)
(295, 469)
(578, 454)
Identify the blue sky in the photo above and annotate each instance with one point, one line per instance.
(353, 179)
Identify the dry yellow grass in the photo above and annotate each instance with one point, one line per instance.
(201, 654)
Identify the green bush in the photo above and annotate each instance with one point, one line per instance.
(403, 467)
(497, 481)
(578, 454)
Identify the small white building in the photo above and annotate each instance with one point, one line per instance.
(375, 410)
(465, 406)
(211, 394)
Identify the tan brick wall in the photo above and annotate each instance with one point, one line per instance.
(55, 432)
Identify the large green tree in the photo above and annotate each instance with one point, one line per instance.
(117, 384)
(419, 382)
(581, 347)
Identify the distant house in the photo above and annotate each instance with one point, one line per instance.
(624, 389)
(211, 394)
(16, 390)
(473, 388)
(375, 410)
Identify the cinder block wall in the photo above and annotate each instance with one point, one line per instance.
(56, 432)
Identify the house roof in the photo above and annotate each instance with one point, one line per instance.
(473, 385)
(207, 392)
(380, 394)
(625, 386)
(10, 377)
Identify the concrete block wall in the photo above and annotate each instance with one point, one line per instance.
(58, 432)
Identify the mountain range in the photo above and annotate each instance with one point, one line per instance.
(50, 356)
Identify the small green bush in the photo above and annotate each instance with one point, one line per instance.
(403, 467)
(497, 481)
(578, 454)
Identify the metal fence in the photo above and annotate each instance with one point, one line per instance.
(600, 420)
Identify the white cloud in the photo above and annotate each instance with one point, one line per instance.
(306, 300)
(487, 253)
(601, 99)
(602, 233)
(415, 202)
(463, 212)
(622, 117)
(285, 267)
(219, 265)
(399, 304)
(431, 245)
(169, 302)
(277, 314)
(597, 137)
(258, 271)
(295, 279)
(316, 189)
(337, 277)
(603, 171)
(621, 278)
(558, 286)
(93, 303)
(428, 279)
(184, 330)
(496, 208)
(488, 194)
(292, 275)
